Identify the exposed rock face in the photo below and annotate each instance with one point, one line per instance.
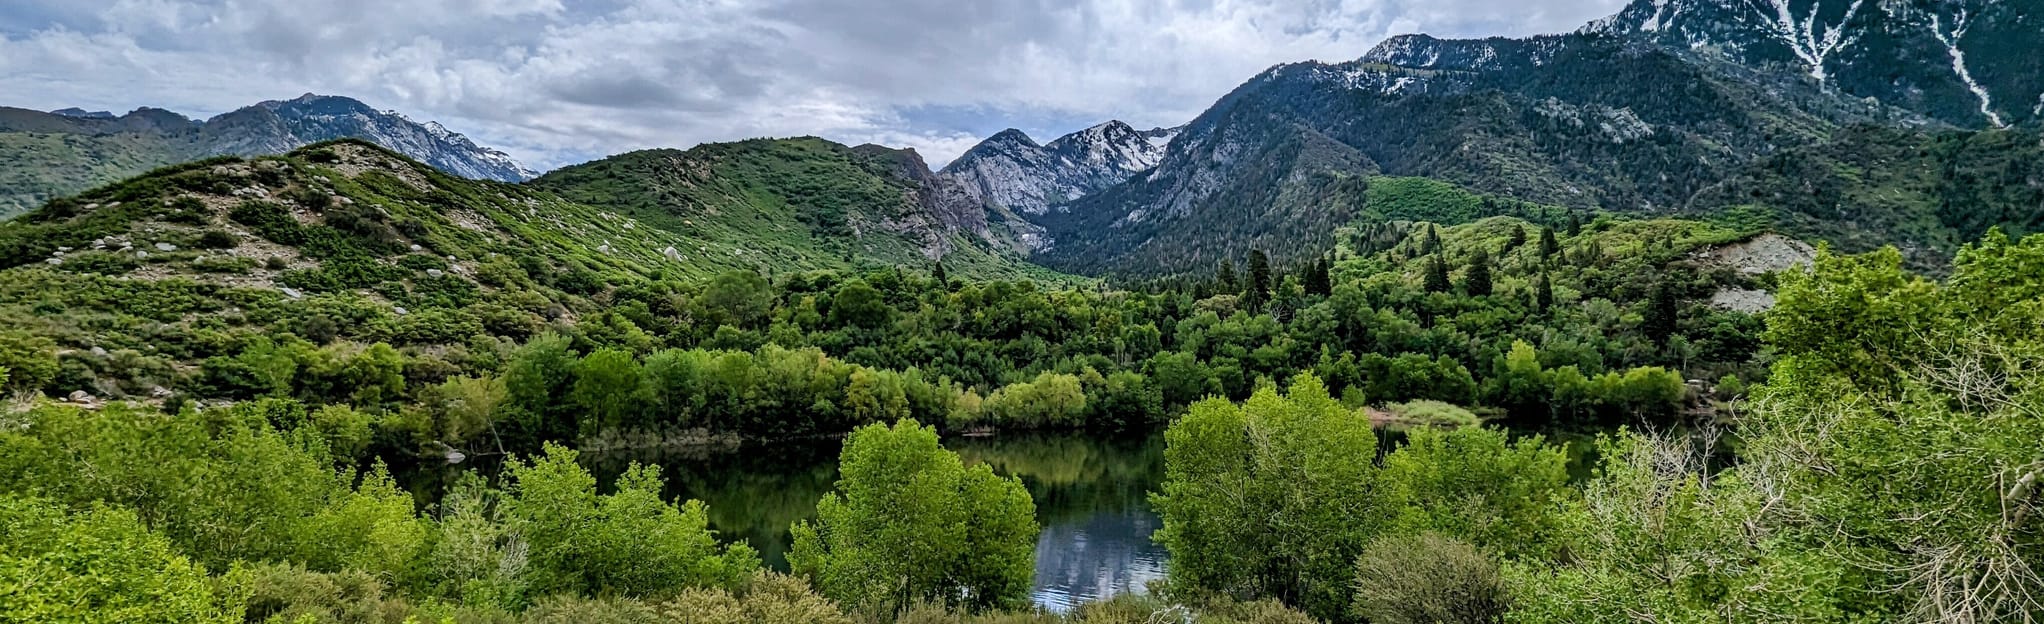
(280, 126)
(1765, 253)
(1743, 300)
(1012, 171)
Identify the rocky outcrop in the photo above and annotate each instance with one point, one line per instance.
(1012, 171)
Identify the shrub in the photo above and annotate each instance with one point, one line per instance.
(217, 239)
(1427, 579)
(98, 566)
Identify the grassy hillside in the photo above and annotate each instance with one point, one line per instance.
(347, 241)
(43, 166)
(788, 205)
(1924, 192)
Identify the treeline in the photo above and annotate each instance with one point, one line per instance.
(244, 514)
(1612, 315)
(1886, 472)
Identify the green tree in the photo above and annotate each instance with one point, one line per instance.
(1224, 278)
(1258, 292)
(1436, 278)
(911, 523)
(1548, 245)
(1658, 321)
(738, 298)
(30, 361)
(97, 566)
(1476, 280)
(1543, 293)
(539, 374)
(1273, 497)
(609, 389)
(628, 542)
(858, 304)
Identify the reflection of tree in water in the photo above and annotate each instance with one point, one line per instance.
(754, 491)
(1073, 477)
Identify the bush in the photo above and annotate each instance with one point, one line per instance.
(98, 566)
(30, 361)
(1427, 579)
(217, 239)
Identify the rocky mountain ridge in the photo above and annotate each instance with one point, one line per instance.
(1012, 171)
(69, 150)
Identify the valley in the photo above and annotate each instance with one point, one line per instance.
(1708, 311)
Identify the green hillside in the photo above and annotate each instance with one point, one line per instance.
(42, 166)
(778, 205)
(1926, 193)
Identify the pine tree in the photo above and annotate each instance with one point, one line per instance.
(1543, 293)
(1659, 320)
(1319, 279)
(1575, 224)
(1259, 280)
(1437, 275)
(1225, 279)
(1518, 238)
(1547, 243)
(943, 280)
(1591, 254)
(1476, 281)
(1432, 242)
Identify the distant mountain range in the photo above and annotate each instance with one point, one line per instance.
(1864, 122)
(45, 155)
(1659, 109)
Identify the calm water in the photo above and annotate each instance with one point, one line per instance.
(1090, 499)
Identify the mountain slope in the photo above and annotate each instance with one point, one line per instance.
(1010, 170)
(1557, 120)
(804, 203)
(1966, 62)
(48, 155)
(1924, 192)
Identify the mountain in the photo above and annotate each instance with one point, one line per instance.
(1970, 63)
(805, 203)
(46, 155)
(1556, 120)
(1011, 170)
(352, 221)
(1657, 110)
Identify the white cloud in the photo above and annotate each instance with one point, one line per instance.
(555, 81)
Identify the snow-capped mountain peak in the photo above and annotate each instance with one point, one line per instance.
(282, 125)
(1011, 170)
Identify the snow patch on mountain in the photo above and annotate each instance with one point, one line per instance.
(313, 118)
(1961, 22)
(1011, 170)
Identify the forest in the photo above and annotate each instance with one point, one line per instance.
(217, 394)
(1887, 396)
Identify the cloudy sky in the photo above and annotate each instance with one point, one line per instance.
(561, 81)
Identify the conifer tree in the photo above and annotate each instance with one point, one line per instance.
(1437, 275)
(1659, 320)
(1225, 278)
(1476, 281)
(1543, 293)
(1259, 280)
(1548, 246)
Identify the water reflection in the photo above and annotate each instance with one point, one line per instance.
(1091, 498)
